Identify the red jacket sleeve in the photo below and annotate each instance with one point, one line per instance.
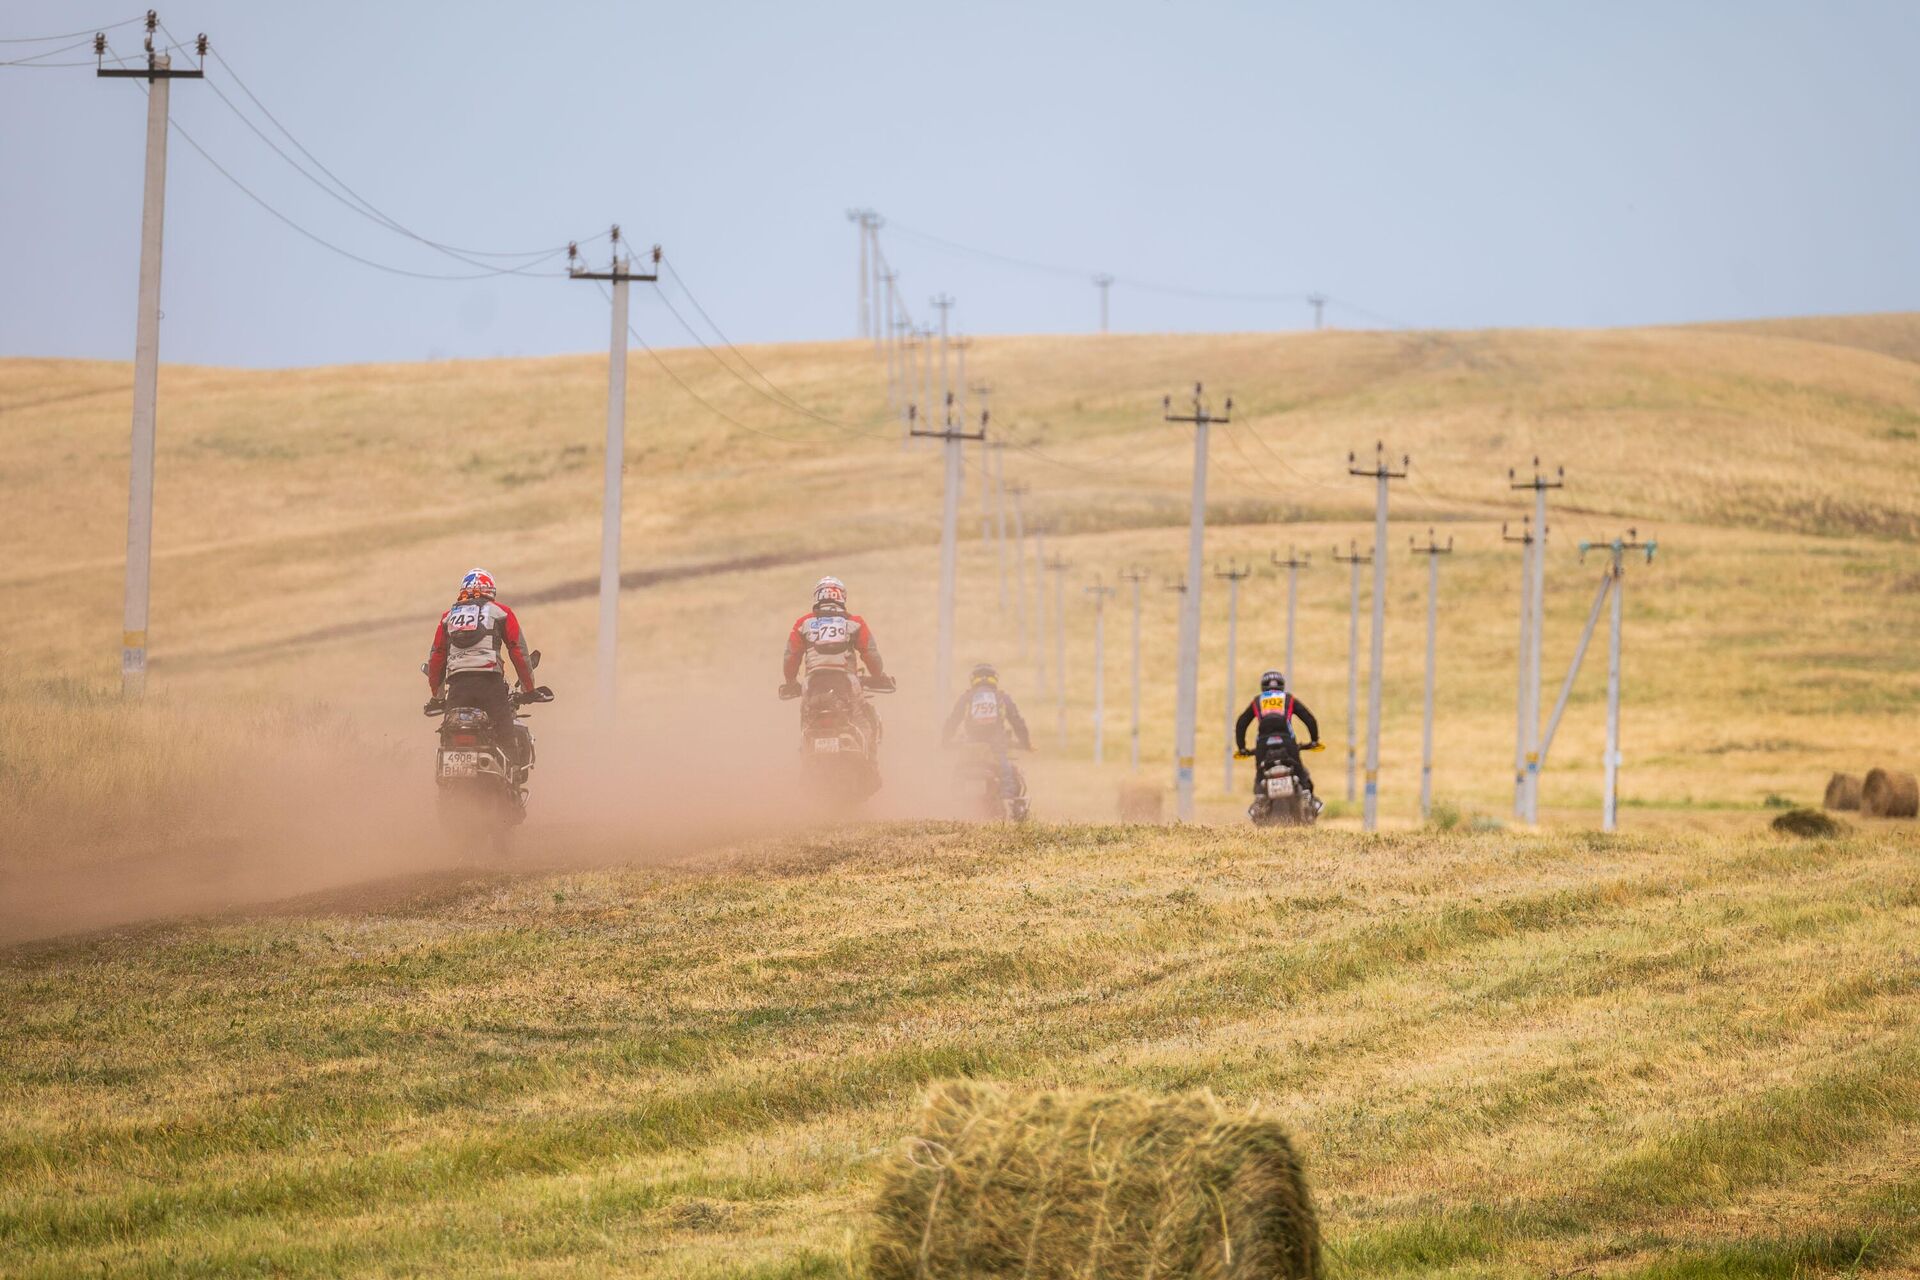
(517, 648)
(437, 657)
(790, 666)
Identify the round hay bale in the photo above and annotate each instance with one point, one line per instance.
(1140, 801)
(1088, 1186)
(1843, 792)
(1887, 794)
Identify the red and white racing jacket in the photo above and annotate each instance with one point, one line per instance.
(473, 636)
(842, 641)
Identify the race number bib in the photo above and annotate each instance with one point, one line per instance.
(829, 631)
(466, 625)
(1273, 704)
(984, 708)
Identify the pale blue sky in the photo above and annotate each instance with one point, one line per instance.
(1456, 164)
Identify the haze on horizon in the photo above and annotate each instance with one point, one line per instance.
(1484, 164)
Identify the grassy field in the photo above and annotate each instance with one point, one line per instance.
(1502, 1054)
(676, 1033)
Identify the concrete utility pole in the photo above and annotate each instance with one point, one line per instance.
(1103, 282)
(863, 218)
(1235, 575)
(1353, 559)
(874, 223)
(1381, 473)
(1058, 568)
(1186, 706)
(1523, 714)
(1099, 591)
(953, 435)
(1017, 492)
(159, 75)
(1293, 564)
(890, 329)
(1135, 577)
(1537, 592)
(944, 303)
(1432, 551)
(1610, 800)
(1318, 301)
(619, 273)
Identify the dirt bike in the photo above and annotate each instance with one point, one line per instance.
(1280, 798)
(482, 791)
(976, 780)
(839, 734)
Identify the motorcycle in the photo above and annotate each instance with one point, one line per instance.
(1280, 797)
(480, 788)
(976, 780)
(839, 737)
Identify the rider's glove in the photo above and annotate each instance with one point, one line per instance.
(790, 690)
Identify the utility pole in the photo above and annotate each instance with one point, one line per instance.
(863, 218)
(926, 365)
(1186, 706)
(1380, 474)
(1353, 559)
(1432, 551)
(944, 303)
(1318, 301)
(1523, 714)
(159, 75)
(1103, 282)
(1234, 574)
(619, 273)
(1293, 564)
(1017, 492)
(874, 223)
(1058, 568)
(949, 528)
(1537, 591)
(1135, 577)
(890, 330)
(1618, 548)
(1099, 592)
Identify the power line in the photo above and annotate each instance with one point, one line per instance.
(366, 207)
(33, 59)
(70, 35)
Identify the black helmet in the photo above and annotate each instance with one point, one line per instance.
(985, 673)
(1272, 682)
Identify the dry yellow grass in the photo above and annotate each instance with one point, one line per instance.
(1687, 1051)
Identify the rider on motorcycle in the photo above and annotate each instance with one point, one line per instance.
(830, 638)
(467, 665)
(1275, 709)
(990, 714)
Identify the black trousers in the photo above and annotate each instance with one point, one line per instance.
(488, 692)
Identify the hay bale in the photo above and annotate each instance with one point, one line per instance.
(1843, 792)
(1140, 801)
(1092, 1186)
(1887, 794)
(1809, 823)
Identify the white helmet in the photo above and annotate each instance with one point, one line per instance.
(829, 596)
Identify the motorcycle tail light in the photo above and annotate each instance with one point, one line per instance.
(464, 740)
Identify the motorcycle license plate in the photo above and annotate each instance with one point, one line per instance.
(1277, 787)
(826, 744)
(459, 764)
